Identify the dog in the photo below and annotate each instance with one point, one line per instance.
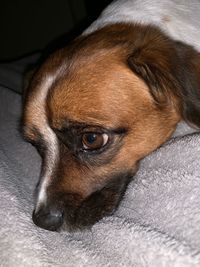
(116, 93)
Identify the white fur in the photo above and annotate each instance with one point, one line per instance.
(50, 139)
(178, 18)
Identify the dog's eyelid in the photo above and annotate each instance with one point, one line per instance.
(102, 130)
(68, 125)
(72, 136)
(112, 135)
(119, 131)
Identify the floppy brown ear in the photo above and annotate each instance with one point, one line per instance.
(189, 79)
(170, 69)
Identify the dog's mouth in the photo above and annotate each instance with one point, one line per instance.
(99, 204)
(72, 213)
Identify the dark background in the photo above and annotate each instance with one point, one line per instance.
(33, 25)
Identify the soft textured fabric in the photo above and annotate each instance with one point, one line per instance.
(157, 223)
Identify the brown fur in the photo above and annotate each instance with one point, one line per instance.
(128, 77)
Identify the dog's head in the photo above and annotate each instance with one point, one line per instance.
(96, 108)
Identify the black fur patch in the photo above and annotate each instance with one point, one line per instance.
(99, 204)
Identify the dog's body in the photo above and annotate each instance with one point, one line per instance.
(179, 19)
(111, 97)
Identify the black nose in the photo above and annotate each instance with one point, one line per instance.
(48, 219)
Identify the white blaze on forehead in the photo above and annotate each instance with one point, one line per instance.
(36, 110)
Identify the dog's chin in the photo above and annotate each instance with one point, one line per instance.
(98, 205)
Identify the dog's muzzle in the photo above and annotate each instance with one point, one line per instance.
(75, 212)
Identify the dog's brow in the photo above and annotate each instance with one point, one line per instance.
(87, 122)
(69, 124)
(90, 118)
(80, 126)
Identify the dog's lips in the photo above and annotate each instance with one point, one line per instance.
(99, 204)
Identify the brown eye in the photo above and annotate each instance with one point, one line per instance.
(94, 141)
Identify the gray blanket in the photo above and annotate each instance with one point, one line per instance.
(157, 223)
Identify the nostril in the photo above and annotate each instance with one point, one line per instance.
(48, 219)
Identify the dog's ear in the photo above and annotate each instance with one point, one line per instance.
(171, 71)
(188, 76)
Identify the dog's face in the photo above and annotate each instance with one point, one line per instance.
(94, 117)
